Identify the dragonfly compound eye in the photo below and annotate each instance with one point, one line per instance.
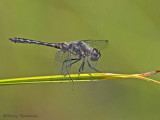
(95, 54)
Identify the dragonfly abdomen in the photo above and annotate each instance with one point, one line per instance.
(23, 40)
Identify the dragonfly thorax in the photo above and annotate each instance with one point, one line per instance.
(80, 49)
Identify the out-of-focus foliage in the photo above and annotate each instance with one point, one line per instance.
(132, 28)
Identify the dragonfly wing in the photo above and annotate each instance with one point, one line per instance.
(62, 62)
(99, 44)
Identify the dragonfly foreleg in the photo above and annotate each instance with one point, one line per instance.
(89, 64)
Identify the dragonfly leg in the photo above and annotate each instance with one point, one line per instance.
(64, 63)
(89, 64)
(72, 64)
(82, 66)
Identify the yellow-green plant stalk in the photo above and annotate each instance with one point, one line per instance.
(77, 78)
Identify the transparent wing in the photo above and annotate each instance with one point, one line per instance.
(62, 62)
(99, 44)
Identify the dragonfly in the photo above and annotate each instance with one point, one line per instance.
(72, 52)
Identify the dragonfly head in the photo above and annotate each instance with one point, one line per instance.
(95, 54)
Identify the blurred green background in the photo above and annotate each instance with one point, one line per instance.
(132, 28)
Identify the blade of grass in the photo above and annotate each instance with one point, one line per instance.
(76, 78)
